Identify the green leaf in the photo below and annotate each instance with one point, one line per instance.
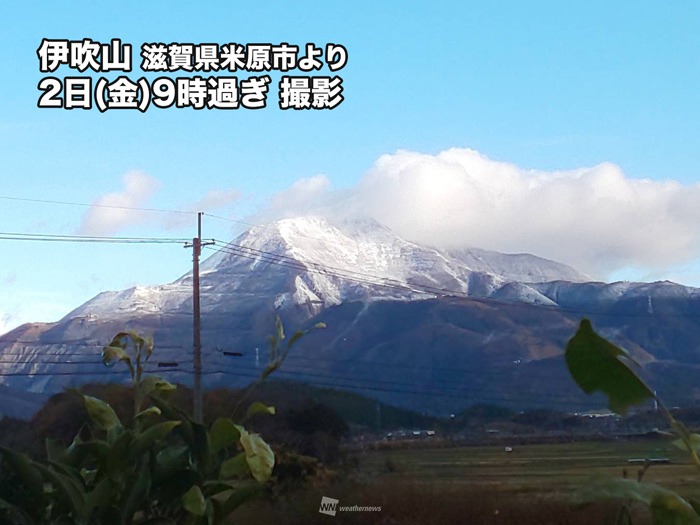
(27, 471)
(157, 385)
(259, 455)
(222, 434)
(148, 438)
(100, 496)
(235, 467)
(279, 329)
(695, 504)
(88, 475)
(70, 488)
(114, 354)
(297, 335)
(118, 459)
(54, 450)
(671, 509)
(137, 494)
(259, 408)
(171, 459)
(101, 413)
(72, 455)
(150, 411)
(694, 440)
(597, 364)
(98, 448)
(193, 501)
(148, 346)
(18, 515)
(135, 337)
(173, 413)
(236, 499)
(667, 507)
(119, 340)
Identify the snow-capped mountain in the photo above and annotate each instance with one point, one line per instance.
(414, 325)
(310, 262)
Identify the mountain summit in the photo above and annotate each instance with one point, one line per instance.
(311, 263)
(425, 328)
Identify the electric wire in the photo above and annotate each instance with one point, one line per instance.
(272, 258)
(94, 205)
(46, 237)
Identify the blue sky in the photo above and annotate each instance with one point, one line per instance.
(600, 98)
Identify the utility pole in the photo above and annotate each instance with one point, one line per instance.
(197, 320)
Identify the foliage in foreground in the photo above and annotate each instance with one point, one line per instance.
(598, 365)
(161, 467)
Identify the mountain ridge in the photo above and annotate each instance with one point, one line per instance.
(412, 325)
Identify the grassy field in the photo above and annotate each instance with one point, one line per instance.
(533, 484)
(559, 468)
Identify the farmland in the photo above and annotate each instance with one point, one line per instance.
(559, 468)
(486, 485)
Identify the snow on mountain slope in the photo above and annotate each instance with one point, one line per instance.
(343, 274)
(521, 267)
(309, 261)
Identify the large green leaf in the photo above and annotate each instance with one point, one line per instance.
(155, 384)
(18, 515)
(235, 499)
(598, 365)
(173, 413)
(148, 438)
(150, 411)
(193, 501)
(136, 497)
(114, 354)
(259, 455)
(235, 467)
(118, 461)
(70, 488)
(667, 507)
(100, 496)
(27, 471)
(223, 433)
(72, 455)
(670, 509)
(101, 413)
(690, 444)
(97, 448)
(259, 408)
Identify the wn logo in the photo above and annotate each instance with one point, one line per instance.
(328, 506)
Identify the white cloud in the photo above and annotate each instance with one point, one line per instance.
(113, 212)
(596, 219)
(305, 192)
(216, 199)
(212, 201)
(109, 214)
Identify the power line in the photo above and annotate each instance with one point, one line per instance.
(94, 205)
(359, 382)
(46, 237)
(244, 223)
(479, 394)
